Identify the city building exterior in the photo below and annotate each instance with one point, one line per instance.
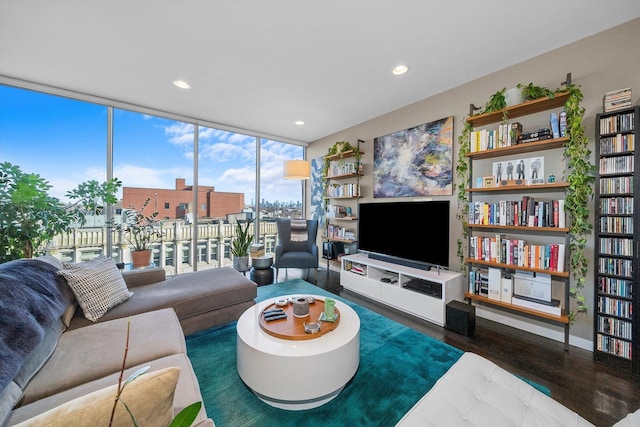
(178, 203)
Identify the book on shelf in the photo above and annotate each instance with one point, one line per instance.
(555, 125)
(553, 307)
(617, 99)
(563, 124)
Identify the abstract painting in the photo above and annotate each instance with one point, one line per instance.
(414, 162)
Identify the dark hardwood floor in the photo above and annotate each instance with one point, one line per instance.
(598, 393)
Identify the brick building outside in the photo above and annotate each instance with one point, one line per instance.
(178, 202)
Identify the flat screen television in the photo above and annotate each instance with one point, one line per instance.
(408, 233)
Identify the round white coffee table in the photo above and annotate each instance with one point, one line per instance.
(297, 374)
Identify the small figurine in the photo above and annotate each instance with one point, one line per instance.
(552, 178)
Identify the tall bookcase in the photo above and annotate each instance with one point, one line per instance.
(513, 193)
(617, 240)
(342, 184)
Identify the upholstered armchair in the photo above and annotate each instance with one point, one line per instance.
(297, 247)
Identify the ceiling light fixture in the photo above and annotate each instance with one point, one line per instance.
(299, 122)
(400, 69)
(181, 84)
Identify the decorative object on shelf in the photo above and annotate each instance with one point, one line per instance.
(140, 229)
(513, 96)
(296, 169)
(531, 92)
(240, 245)
(415, 161)
(488, 182)
(496, 103)
(551, 178)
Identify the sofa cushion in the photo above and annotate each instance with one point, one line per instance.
(477, 392)
(148, 397)
(89, 353)
(8, 399)
(97, 284)
(189, 294)
(187, 389)
(32, 298)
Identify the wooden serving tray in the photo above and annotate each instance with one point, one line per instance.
(292, 328)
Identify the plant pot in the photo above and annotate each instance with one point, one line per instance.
(513, 96)
(241, 263)
(141, 258)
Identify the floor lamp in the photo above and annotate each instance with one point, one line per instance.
(297, 169)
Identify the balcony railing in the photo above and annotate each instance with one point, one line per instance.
(172, 251)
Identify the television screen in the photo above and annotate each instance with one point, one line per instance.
(412, 231)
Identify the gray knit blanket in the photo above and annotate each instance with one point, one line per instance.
(32, 298)
(299, 230)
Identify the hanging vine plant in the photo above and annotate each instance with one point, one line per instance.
(580, 175)
(461, 185)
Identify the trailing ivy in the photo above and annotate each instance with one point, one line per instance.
(461, 185)
(581, 178)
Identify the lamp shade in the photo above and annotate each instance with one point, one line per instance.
(297, 169)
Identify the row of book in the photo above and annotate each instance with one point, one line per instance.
(517, 252)
(527, 212)
(616, 224)
(336, 232)
(617, 99)
(616, 205)
(344, 168)
(621, 184)
(508, 134)
(615, 266)
(615, 307)
(620, 143)
(617, 287)
(618, 246)
(616, 327)
(343, 190)
(618, 123)
(620, 164)
(338, 211)
(613, 346)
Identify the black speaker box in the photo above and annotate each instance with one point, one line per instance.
(461, 317)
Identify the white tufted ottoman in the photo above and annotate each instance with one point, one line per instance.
(477, 392)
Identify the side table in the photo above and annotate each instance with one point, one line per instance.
(262, 270)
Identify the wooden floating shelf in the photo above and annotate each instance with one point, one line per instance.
(516, 267)
(533, 187)
(519, 110)
(526, 147)
(343, 155)
(560, 319)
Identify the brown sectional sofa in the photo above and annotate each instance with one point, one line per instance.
(77, 357)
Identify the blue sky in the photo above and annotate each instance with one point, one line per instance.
(64, 140)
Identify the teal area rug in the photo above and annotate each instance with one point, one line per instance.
(397, 366)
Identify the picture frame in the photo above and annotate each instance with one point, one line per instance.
(488, 182)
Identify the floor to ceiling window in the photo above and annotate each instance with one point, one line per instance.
(239, 176)
(64, 141)
(153, 157)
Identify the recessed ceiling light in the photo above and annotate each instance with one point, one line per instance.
(181, 84)
(400, 69)
(299, 122)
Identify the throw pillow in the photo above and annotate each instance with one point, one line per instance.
(149, 397)
(97, 284)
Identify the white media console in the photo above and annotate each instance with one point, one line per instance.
(421, 293)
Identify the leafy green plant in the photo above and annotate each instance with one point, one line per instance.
(140, 229)
(581, 178)
(243, 239)
(497, 102)
(462, 183)
(30, 217)
(531, 91)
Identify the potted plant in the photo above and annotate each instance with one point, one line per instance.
(240, 245)
(140, 229)
(30, 217)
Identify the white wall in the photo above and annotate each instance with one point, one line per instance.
(606, 61)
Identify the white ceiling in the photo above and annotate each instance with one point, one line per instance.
(260, 65)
